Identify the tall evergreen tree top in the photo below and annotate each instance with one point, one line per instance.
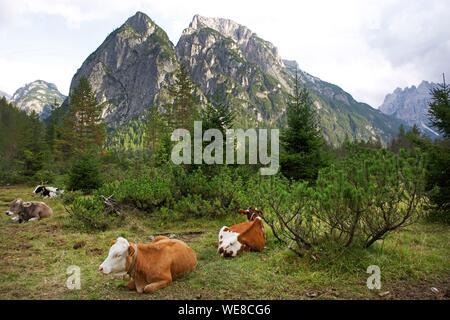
(439, 111)
(183, 110)
(303, 132)
(82, 128)
(218, 115)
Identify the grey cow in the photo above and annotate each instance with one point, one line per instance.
(21, 211)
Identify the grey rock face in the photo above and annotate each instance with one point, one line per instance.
(223, 56)
(254, 49)
(38, 96)
(411, 105)
(135, 65)
(131, 70)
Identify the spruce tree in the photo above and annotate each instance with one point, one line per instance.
(82, 128)
(439, 110)
(218, 115)
(183, 111)
(438, 178)
(23, 151)
(155, 127)
(302, 140)
(33, 147)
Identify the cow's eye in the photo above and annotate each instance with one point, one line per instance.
(116, 255)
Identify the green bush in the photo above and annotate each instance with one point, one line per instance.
(69, 197)
(359, 200)
(144, 193)
(195, 206)
(371, 194)
(88, 214)
(84, 173)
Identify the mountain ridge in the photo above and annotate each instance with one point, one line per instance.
(139, 46)
(411, 104)
(136, 63)
(340, 114)
(39, 96)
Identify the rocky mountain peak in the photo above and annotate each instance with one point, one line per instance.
(248, 44)
(410, 104)
(38, 96)
(131, 69)
(141, 23)
(226, 27)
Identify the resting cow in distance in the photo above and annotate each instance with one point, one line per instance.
(21, 211)
(48, 192)
(151, 266)
(245, 236)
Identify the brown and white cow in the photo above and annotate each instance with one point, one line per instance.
(245, 236)
(151, 266)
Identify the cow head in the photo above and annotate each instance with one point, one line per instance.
(15, 207)
(116, 261)
(251, 213)
(39, 189)
(19, 209)
(229, 245)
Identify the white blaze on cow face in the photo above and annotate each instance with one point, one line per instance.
(229, 246)
(117, 258)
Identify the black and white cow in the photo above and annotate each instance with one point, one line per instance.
(48, 192)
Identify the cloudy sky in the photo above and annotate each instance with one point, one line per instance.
(366, 47)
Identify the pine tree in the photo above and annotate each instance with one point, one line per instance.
(302, 140)
(183, 111)
(157, 129)
(82, 128)
(302, 133)
(33, 146)
(438, 177)
(439, 110)
(158, 136)
(218, 116)
(23, 150)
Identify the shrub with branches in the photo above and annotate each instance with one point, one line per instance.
(358, 200)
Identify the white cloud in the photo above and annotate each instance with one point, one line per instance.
(366, 47)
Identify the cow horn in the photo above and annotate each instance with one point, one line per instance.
(26, 204)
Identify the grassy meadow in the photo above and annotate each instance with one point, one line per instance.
(35, 257)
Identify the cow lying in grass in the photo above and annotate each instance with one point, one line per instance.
(48, 192)
(151, 266)
(21, 211)
(245, 236)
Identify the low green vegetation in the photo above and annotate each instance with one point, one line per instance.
(35, 258)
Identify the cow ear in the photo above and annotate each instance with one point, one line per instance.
(26, 204)
(113, 241)
(242, 211)
(130, 250)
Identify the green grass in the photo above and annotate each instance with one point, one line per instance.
(35, 257)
